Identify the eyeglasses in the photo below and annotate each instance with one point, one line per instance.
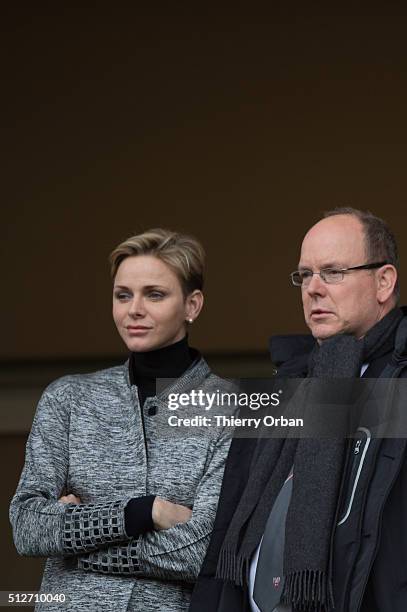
(330, 276)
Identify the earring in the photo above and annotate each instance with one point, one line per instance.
(190, 320)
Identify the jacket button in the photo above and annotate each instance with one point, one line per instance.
(152, 410)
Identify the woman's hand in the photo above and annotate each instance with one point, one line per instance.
(70, 499)
(165, 514)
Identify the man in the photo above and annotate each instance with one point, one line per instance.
(310, 525)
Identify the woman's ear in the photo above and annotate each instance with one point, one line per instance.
(193, 305)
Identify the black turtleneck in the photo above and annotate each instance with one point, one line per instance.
(144, 369)
(167, 362)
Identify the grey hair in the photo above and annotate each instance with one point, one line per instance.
(380, 243)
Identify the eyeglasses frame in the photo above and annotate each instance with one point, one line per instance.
(370, 266)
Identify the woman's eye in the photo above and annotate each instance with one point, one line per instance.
(122, 295)
(156, 295)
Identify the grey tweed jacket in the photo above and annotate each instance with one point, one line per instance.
(88, 439)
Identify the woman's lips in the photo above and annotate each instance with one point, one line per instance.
(138, 330)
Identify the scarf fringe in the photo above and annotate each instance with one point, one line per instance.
(233, 567)
(308, 590)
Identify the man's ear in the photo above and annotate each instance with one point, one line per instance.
(386, 281)
(193, 305)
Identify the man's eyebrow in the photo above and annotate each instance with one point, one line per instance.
(330, 264)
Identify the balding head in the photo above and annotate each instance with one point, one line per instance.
(361, 298)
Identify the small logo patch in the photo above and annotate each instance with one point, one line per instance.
(276, 581)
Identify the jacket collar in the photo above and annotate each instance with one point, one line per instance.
(289, 353)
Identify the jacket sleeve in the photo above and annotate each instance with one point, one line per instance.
(176, 553)
(42, 526)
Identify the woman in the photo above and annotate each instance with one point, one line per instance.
(123, 510)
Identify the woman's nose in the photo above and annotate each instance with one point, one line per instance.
(136, 307)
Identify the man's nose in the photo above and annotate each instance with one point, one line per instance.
(316, 286)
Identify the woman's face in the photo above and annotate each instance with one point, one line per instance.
(149, 308)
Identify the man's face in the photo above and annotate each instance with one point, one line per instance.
(352, 305)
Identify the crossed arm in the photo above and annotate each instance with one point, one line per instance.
(164, 514)
(47, 522)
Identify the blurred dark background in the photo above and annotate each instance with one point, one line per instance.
(240, 125)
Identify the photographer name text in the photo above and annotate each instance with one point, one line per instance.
(231, 421)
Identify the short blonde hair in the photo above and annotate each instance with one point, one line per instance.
(182, 253)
